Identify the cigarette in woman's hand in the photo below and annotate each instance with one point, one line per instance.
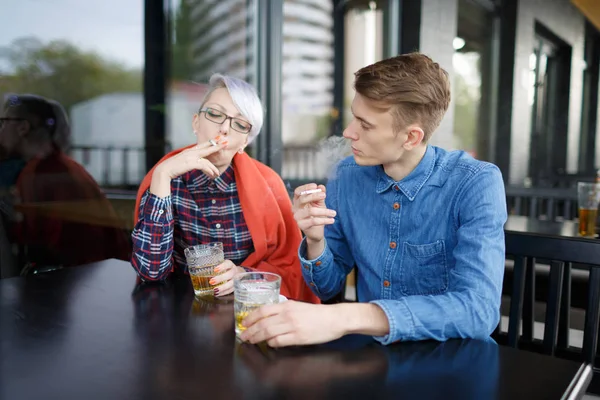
(310, 192)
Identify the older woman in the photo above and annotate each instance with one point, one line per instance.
(213, 191)
(52, 208)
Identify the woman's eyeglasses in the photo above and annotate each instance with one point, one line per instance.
(219, 117)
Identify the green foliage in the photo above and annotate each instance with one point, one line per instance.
(466, 113)
(63, 72)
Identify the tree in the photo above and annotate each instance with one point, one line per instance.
(182, 66)
(63, 72)
(466, 113)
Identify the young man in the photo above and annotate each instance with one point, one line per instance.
(423, 226)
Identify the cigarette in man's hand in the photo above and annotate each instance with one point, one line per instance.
(310, 192)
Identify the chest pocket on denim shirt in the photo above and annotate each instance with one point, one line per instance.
(424, 269)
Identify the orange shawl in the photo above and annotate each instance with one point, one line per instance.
(268, 213)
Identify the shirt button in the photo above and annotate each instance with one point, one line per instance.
(396, 206)
(318, 263)
(306, 266)
(392, 245)
(214, 201)
(386, 283)
(396, 188)
(161, 212)
(218, 226)
(312, 284)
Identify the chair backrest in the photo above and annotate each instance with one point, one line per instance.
(543, 203)
(562, 254)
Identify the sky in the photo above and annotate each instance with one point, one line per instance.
(113, 28)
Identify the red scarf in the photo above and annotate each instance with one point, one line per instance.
(268, 213)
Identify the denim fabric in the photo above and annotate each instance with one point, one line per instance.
(429, 249)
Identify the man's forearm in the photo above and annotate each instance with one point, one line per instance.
(314, 249)
(364, 319)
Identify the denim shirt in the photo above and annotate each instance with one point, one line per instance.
(428, 249)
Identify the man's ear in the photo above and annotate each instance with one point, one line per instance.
(414, 138)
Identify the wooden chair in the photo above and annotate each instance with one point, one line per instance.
(562, 254)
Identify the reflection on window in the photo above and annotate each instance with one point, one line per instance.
(472, 87)
(57, 168)
(467, 95)
(308, 49)
(364, 46)
(90, 60)
(307, 83)
(207, 37)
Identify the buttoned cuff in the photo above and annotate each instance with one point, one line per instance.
(157, 210)
(400, 320)
(324, 258)
(312, 267)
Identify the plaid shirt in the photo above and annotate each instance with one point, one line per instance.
(199, 210)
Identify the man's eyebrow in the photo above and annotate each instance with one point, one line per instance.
(361, 118)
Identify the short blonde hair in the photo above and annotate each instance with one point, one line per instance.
(413, 86)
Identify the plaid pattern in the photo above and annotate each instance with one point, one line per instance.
(199, 210)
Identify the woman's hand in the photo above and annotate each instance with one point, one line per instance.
(226, 271)
(187, 160)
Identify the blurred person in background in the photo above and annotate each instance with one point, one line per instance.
(52, 210)
(212, 191)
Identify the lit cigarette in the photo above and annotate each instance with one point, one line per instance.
(310, 192)
(212, 142)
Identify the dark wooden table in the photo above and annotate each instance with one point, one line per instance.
(92, 333)
(533, 226)
(567, 229)
(522, 233)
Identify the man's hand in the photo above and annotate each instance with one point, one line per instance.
(296, 323)
(293, 323)
(311, 215)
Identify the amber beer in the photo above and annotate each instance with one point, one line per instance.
(241, 311)
(587, 221)
(588, 197)
(253, 290)
(201, 276)
(201, 260)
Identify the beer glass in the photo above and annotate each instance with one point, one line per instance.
(588, 195)
(252, 290)
(201, 261)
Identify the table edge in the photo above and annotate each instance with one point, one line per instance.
(579, 383)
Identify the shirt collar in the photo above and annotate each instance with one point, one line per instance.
(412, 183)
(223, 182)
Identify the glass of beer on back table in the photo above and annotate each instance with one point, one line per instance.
(201, 261)
(588, 195)
(252, 290)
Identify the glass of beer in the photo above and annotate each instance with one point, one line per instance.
(202, 260)
(588, 195)
(252, 290)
